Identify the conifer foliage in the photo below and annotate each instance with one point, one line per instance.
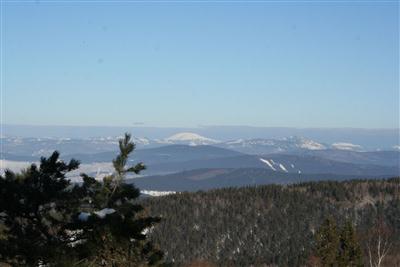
(44, 219)
(338, 247)
(109, 218)
(277, 225)
(327, 242)
(34, 208)
(350, 253)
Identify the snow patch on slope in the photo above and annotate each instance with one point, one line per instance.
(346, 146)
(14, 166)
(268, 163)
(283, 168)
(233, 142)
(157, 193)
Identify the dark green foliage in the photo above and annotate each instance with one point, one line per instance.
(338, 247)
(349, 253)
(120, 235)
(271, 225)
(327, 242)
(35, 206)
(46, 219)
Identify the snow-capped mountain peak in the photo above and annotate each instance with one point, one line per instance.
(305, 143)
(264, 146)
(311, 145)
(190, 138)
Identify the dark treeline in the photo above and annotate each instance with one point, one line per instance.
(276, 225)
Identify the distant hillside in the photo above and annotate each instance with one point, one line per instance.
(164, 154)
(279, 163)
(206, 179)
(177, 158)
(270, 225)
(383, 158)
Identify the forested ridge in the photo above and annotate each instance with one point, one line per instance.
(272, 225)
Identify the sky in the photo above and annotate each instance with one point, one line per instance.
(185, 64)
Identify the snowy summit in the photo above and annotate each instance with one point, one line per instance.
(191, 139)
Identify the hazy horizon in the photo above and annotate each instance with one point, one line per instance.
(196, 126)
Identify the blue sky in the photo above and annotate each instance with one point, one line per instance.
(294, 64)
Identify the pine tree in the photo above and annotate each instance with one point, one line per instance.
(349, 253)
(114, 225)
(45, 219)
(35, 207)
(327, 242)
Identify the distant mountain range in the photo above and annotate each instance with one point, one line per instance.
(264, 146)
(369, 139)
(173, 161)
(37, 147)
